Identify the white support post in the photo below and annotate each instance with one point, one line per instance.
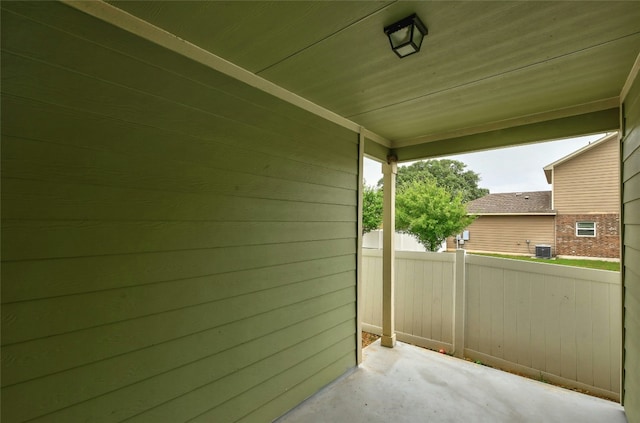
(359, 295)
(389, 171)
(459, 296)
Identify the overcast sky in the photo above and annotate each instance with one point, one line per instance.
(513, 169)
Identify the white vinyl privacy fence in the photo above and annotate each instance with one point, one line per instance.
(556, 323)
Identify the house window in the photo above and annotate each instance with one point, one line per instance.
(585, 228)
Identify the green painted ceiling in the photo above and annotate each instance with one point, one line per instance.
(482, 62)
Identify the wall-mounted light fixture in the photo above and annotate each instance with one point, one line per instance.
(406, 35)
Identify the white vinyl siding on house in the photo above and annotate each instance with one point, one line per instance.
(586, 229)
(176, 245)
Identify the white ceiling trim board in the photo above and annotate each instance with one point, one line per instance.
(632, 76)
(147, 31)
(608, 103)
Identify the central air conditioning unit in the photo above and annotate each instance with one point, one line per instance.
(543, 251)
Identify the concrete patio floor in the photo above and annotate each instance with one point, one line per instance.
(411, 384)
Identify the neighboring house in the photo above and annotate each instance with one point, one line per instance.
(586, 198)
(580, 217)
(509, 223)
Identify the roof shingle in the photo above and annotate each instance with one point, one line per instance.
(512, 203)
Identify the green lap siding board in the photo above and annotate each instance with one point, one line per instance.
(631, 251)
(175, 245)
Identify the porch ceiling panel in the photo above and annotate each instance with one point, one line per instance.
(254, 35)
(537, 88)
(482, 62)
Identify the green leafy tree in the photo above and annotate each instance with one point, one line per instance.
(371, 209)
(430, 213)
(448, 174)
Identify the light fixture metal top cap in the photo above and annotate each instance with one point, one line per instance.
(409, 20)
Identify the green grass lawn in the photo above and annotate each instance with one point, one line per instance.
(591, 264)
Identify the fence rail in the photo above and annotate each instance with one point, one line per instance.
(558, 323)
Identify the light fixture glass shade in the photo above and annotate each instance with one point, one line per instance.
(405, 50)
(401, 36)
(406, 35)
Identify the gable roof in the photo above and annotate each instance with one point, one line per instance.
(548, 169)
(531, 203)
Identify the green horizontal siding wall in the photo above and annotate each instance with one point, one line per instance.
(175, 245)
(631, 251)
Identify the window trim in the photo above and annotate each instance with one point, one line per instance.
(586, 229)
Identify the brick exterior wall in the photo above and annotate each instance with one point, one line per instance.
(606, 243)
